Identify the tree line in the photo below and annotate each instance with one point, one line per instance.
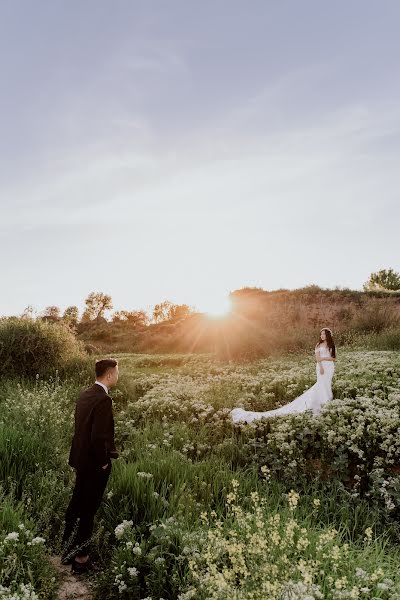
(98, 304)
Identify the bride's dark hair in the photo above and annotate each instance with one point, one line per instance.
(329, 341)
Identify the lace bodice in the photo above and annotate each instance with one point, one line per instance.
(324, 352)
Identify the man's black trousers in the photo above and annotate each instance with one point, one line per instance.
(79, 517)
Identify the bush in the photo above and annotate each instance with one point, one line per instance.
(29, 347)
(91, 349)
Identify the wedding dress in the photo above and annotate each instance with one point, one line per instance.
(312, 399)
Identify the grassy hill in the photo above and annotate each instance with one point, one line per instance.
(262, 323)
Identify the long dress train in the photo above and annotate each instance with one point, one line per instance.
(312, 399)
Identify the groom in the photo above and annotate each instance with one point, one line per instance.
(91, 452)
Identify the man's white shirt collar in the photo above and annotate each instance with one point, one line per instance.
(102, 385)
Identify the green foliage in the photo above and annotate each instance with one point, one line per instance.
(386, 279)
(33, 347)
(254, 553)
(71, 315)
(168, 311)
(387, 340)
(52, 311)
(134, 318)
(172, 483)
(355, 435)
(24, 571)
(97, 304)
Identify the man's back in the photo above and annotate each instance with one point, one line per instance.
(94, 429)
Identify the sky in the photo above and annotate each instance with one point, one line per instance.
(181, 150)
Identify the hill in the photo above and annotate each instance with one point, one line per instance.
(261, 323)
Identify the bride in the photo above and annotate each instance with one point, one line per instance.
(313, 398)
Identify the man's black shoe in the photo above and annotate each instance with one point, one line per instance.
(66, 559)
(78, 568)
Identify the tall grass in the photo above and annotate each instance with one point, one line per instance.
(24, 570)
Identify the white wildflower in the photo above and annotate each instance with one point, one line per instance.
(121, 528)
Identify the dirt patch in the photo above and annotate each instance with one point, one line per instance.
(72, 587)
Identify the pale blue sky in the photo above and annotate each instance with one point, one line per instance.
(180, 150)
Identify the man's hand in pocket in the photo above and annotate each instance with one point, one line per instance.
(105, 466)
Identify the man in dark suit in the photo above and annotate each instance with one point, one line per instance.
(91, 452)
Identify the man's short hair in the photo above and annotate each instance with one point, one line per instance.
(103, 365)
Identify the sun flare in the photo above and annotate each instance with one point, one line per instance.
(220, 308)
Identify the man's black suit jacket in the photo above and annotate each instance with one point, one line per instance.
(93, 441)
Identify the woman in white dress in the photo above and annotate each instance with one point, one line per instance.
(313, 398)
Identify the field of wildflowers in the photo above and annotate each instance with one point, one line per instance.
(290, 508)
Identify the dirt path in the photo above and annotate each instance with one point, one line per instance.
(71, 587)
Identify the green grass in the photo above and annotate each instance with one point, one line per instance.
(191, 463)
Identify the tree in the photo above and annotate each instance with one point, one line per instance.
(386, 279)
(179, 311)
(161, 312)
(53, 312)
(29, 312)
(135, 318)
(96, 305)
(71, 315)
(86, 316)
(118, 316)
(168, 311)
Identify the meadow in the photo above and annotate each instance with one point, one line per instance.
(291, 508)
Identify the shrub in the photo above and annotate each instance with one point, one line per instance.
(29, 347)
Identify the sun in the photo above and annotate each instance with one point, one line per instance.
(219, 308)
